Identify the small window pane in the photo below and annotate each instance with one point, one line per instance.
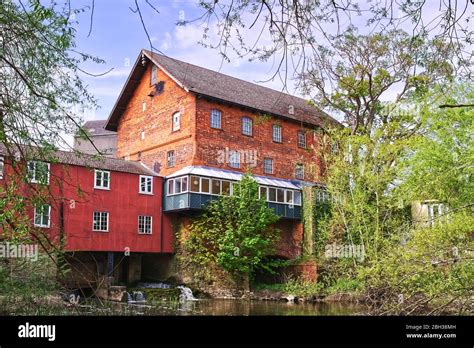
(297, 197)
(271, 194)
(280, 196)
(205, 185)
(226, 188)
(177, 185)
(170, 159)
(299, 171)
(263, 193)
(301, 139)
(234, 159)
(289, 197)
(195, 184)
(176, 121)
(276, 134)
(1, 167)
(170, 187)
(268, 166)
(216, 187)
(247, 125)
(184, 184)
(144, 224)
(215, 119)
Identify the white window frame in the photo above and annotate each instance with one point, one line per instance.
(247, 126)
(140, 186)
(41, 215)
(32, 173)
(145, 223)
(209, 185)
(174, 181)
(234, 159)
(265, 165)
(301, 139)
(2, 167)
(176, 121)
(191, 183)
(100, 220)
(216, 119)
(277, 133)
(101, 186)
(168, 157)
(299, 169)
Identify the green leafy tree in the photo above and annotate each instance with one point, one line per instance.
(235, 232)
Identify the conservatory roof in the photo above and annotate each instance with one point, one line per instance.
(236, 176)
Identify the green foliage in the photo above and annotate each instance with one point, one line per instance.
(235, 232)
(434, 268)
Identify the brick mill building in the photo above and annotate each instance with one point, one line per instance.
(190, 133)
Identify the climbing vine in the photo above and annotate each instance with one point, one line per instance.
(235, 233)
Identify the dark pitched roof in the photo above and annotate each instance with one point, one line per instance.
(81, 160)
(222, 87)
(97, 128)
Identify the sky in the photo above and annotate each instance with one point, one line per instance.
(117, 37)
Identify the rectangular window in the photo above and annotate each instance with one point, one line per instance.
(297, 197)
(42, 216)
(170, 158)
(154, 74)
(302, 139)
(216, 187)
(280, 196)
(170, 187)
(247, 126)
(263, 193)
(276, 133)
(299, 171)
(268, 166)
(38, 172)
(195, 184)
(176, 121)
(234, 159)
(216, 119)
(272, 194)
(177, 185)
(102, 179)
(100, 221)
(205, 185)
(1, 166)
(144, 224)
(146, 184)
(226, 188)
(289, 197)
(184, 184)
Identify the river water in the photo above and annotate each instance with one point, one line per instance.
(236, 308)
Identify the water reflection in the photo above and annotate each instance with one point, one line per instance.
(246, 308)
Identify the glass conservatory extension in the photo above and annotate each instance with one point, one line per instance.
(191, 188)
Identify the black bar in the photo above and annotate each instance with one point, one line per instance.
(289, 331)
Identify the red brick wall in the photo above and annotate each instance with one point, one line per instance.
(196, 143)
(156, 122)
(285, 155)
